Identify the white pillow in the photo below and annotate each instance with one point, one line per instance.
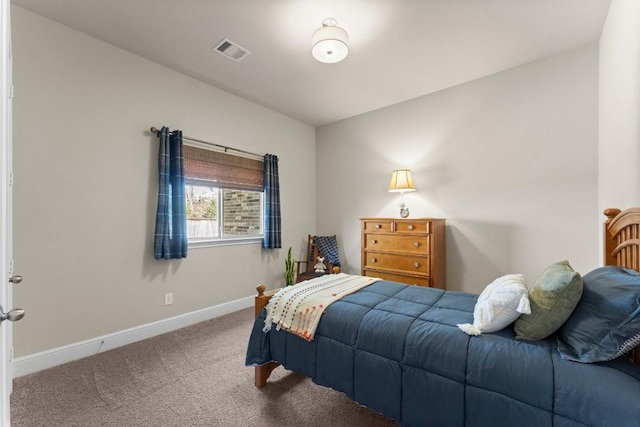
(499, 305)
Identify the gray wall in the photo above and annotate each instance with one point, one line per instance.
(86, 183)
(509, 160)
(619, 140)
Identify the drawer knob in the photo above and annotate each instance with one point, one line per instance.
(374, 241)
(374, 260)
(416, 244)
(410, 227)
(378, 226)
(416, 264)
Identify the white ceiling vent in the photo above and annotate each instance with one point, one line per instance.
(231, 50)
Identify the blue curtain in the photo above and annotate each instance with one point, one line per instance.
(171, 240)
(272, 238)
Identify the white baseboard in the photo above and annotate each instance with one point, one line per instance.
(36, 362)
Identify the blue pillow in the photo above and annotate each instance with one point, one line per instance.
(606, 322)
(328, 247)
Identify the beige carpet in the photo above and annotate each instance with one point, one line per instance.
(191, 377)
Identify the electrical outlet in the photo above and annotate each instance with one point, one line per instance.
(168, 298)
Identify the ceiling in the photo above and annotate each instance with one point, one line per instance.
(399, 49)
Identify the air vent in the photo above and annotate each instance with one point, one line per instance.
(231, 50)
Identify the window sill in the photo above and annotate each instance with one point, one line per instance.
(225, 242)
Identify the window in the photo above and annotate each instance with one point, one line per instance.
(224, 197)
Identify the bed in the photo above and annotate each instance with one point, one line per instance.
(398, 350)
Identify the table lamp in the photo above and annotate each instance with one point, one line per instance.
(401, 182)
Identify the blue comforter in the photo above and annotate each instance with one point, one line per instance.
(396, 349)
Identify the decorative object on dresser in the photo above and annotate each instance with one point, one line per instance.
(401, 182)
(409, 251)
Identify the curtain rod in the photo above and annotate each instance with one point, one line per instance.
(155, 130)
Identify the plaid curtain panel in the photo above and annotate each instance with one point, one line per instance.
(272, 227)
(171, 241)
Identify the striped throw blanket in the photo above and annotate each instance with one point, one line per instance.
(297, 309)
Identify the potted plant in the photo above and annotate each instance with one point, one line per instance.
(288, 269)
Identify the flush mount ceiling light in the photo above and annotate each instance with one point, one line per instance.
(329, 43)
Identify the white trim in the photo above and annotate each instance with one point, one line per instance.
(6, 230)
(197, 244)
(36, 362)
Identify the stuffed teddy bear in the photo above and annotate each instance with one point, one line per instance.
(320, 267)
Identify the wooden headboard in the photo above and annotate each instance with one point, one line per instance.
(622, 238)
(622, 244)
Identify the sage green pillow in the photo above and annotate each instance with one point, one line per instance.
(553, 298)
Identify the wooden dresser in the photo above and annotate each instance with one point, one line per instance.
(404, 250)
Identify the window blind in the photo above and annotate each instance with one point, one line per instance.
(226, 170)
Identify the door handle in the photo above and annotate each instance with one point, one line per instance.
(15, 279)
(14, 315)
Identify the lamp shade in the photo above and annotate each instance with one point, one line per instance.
(329, 43)
(401, 181)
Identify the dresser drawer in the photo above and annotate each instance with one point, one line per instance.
(409, 280)
(377, 225)
(397, 242)
(411, 227)
(408, 263)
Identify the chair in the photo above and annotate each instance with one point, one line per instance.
(319, 246)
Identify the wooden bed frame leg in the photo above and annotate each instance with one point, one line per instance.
(263, 371)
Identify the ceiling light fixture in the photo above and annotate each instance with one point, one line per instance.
(329, 43)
